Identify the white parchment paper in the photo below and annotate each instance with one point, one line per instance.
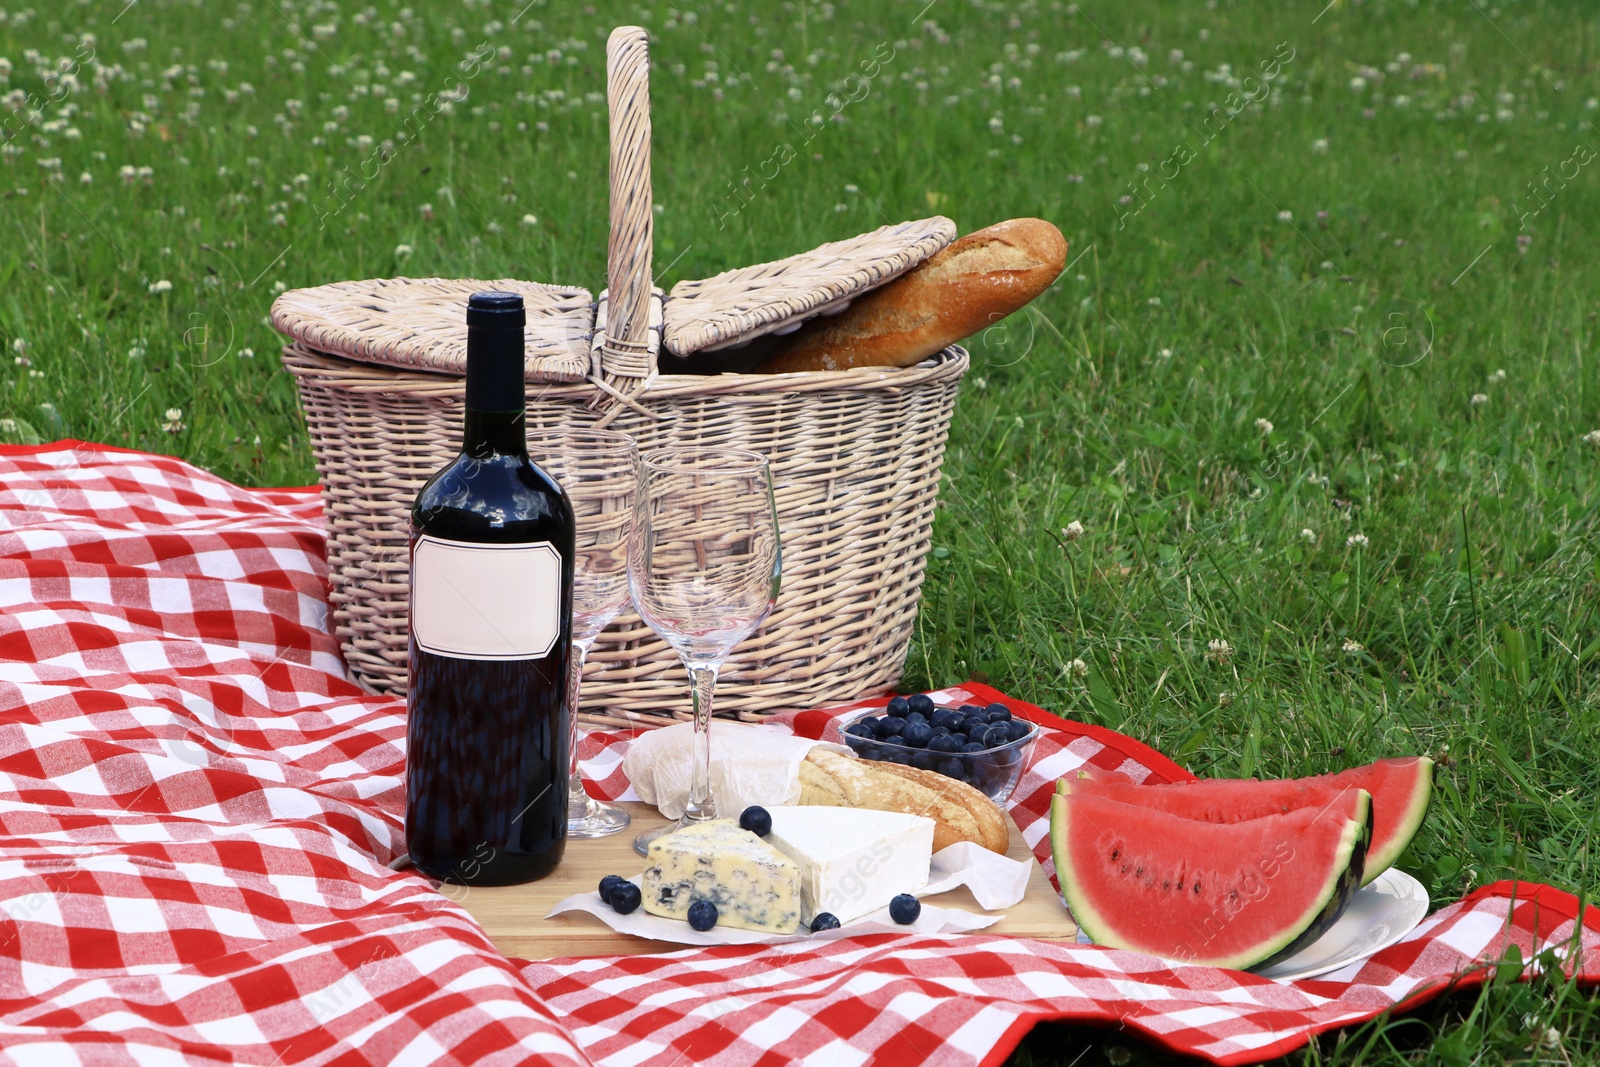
(995, 882)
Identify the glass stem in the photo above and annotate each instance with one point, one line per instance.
(578, 802)
(701, 806)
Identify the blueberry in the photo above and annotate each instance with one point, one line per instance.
(904, 909)
(871, 722)
(888, 728)
(702, 915)
(975, 727)
(825, 920)
(859, 729)
(608, 883)
(973, 746)
(944, 743)
(995, 736)
(997, 712)
(917, 734)
(900, 756)
(923, 760)
(898, 707)
(624, 898)
(947, 718)
(969, 709)
(1017, 729)
(870, 751)
(756, 819)
(950, 767)
(915, 716)
(920, 702)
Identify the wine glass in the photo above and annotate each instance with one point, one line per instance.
(598, 471)
(703, 567)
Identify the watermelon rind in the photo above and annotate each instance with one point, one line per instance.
(1326, 905)
(1397, 837)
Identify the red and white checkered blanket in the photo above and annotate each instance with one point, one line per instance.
(197, 811)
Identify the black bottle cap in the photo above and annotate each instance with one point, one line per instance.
(496, 310)
(495, 323)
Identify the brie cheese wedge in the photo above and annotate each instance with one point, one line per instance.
(852, 862)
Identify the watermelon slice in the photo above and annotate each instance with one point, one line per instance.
(1221, 894)
(1400, 788)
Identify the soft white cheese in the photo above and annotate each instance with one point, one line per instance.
(753, 885)
(852, 862)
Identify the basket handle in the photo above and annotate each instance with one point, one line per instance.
(625, 351)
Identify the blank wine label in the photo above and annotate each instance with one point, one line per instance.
(495, 602)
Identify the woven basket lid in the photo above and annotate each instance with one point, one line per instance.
(421, 323)
(738, 305)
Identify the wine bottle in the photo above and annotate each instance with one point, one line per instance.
(491, 629)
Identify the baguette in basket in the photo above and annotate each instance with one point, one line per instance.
(968, 286)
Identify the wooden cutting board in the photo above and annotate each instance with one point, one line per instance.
(514, 916)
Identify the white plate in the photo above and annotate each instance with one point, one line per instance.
(1378, 916)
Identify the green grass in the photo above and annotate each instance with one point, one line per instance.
(1411, 269)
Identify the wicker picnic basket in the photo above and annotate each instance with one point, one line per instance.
(855, 454)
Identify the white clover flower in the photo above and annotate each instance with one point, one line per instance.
(1356, 540)
(127, 173)
(86, 178)
(1154, 301)
(247, 353)
(1263, 426)
(174, 423)
(1072, 530)
(530, 220)
(1285, 216)
(1218, 649)
(402, 251)
(1479, 399)
(1165, 353)
(19, 345)
(136, 352)
(1357, 83)
(1497, 376)
(1591, 438)
(1353, 647)
(1092, 120)
(983, 383)
(278, 287)
(1320, 145)
(161, 286)
(1308, 535)
(1077, 668)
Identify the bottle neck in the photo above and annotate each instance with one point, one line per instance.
(495, 400)
(489, 433)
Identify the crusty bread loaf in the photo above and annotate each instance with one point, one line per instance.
(966, 287)
(960, 813)
(993, 834)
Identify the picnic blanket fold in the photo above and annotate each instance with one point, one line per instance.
(197, 811)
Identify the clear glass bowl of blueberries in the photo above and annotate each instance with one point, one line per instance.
(986, 747)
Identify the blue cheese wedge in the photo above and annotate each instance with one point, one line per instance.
(852, 862)
(753, 885)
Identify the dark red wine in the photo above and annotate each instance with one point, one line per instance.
(491, 629)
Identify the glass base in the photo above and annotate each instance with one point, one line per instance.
(641, 844)
(597, 819)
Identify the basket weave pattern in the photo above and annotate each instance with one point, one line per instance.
(855, 459)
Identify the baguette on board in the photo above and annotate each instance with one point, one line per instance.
(966, 287)
(959, 812)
